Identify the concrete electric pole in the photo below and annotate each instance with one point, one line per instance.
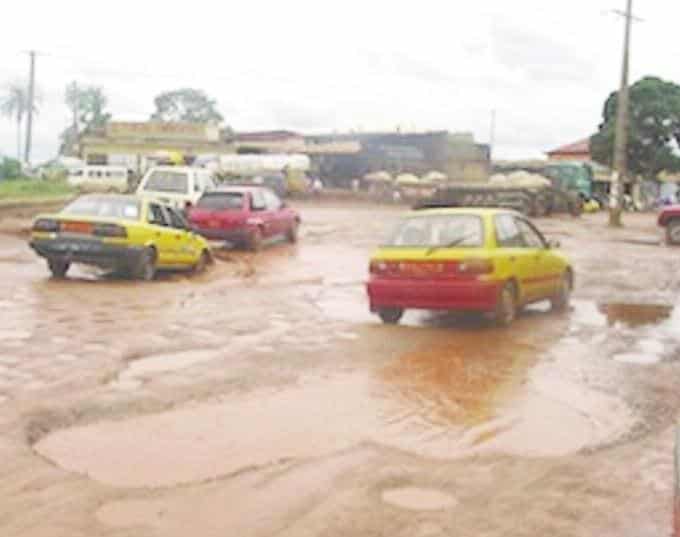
(621, 142)
(30, 106)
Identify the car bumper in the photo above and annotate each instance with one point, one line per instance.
(472, 295)
(89, 252)
(229, 235)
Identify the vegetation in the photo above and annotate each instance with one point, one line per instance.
(14, 105)
(653, 132)
(87, 106)
(33, 189)
(186, 105)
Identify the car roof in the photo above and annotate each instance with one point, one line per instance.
(452, 211)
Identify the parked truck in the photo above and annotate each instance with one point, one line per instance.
(537, 189)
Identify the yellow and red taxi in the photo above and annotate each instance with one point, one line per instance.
(134, 235)
(466, 259)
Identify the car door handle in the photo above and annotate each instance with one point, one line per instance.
(513, 259)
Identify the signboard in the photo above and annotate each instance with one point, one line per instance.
(164, 131)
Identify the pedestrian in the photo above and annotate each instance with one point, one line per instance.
(317, 187)
(355, 185)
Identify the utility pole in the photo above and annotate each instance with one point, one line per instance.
(30, 105)
(621, 144)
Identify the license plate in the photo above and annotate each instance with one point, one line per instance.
(422, 269)
(77, 227)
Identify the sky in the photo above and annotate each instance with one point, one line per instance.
(321, 66)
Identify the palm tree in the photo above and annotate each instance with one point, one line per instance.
(14, 105)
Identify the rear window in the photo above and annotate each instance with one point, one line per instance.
(105, 207)
(222, 201)
(428, 231)
(167, 181)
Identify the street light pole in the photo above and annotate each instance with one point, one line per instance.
(621, 143)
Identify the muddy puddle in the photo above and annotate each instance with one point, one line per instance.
(437, 404)
(418, 499)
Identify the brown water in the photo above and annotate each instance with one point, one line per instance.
(418, 499)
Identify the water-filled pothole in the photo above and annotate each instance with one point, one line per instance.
(635, 315)
(418, 499)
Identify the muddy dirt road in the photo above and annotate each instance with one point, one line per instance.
(263, 399)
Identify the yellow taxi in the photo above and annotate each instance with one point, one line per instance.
(135, 235)
(485, 260)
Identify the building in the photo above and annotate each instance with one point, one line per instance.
(137, 144)
(578, 151)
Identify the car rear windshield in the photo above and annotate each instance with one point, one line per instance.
(436, 231)
(104, 206)
(222, 201)
(167, 181)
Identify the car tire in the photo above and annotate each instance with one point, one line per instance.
(58, 268)
(506, 307)
(292, 234)
(560, 301)
(390, 315)
(673, 232)
(145, 268)
(202, 264)
(255, 240)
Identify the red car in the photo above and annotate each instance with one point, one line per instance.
(669, 218)
(245, 215)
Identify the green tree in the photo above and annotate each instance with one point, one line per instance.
(14, 105)
(186, 105)
(653, 130)
(87, 106)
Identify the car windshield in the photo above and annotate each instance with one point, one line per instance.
(221, 201)
(167, 181)
(433, 231)
(104, 206)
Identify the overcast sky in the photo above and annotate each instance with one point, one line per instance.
(319, 66)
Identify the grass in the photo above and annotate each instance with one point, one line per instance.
(33, 189)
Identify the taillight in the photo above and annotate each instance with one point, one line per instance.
(475, 267)
(46, 225)
(109, 230)
(378, 267)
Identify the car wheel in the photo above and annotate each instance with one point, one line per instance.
(673, 232)
(203, 262)
(58, 268)
(255, 240)
(145, 269)
(390, 315)
(292, 235)
(506, 308)
(560, 301)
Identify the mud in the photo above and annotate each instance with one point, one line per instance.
(266, 386)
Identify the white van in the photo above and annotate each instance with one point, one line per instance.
(99, 178)
(179, 186)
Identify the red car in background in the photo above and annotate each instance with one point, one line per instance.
(669, 218)
(244, 215)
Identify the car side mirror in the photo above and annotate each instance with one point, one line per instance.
(283, 206)
(554, 244)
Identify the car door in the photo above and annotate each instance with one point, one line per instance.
(183, 247)
(279, 217)
(162, 234)
(545, 271)
(518, 257)
(261, 212)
